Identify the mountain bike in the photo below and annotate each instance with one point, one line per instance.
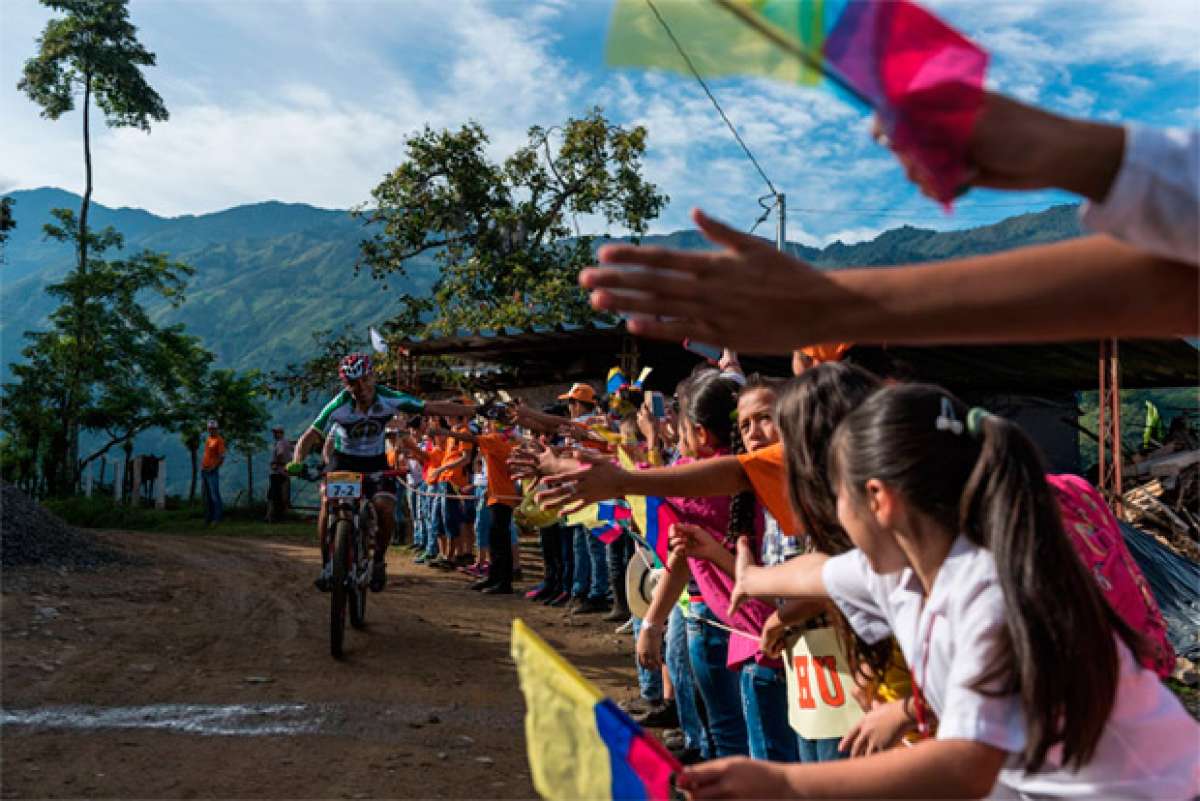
(352, 523)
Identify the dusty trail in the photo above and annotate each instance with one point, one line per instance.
(425, 704)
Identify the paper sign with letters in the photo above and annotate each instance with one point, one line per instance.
(820, 703)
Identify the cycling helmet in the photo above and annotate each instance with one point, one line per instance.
(354, 366)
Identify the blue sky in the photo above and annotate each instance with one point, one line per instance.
(310, 100)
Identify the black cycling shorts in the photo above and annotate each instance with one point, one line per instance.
(385, 486)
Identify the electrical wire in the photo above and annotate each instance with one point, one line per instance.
(711, 97)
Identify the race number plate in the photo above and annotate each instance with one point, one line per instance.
(343, 485)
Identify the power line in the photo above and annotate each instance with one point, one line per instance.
(716, 105)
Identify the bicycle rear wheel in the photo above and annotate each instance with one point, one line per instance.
(343, 531)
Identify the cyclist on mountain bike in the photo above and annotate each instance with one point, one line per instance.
(356, 418)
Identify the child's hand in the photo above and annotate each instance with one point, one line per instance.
(775, 634)
(649, 647)
(879, 729)
(694, 541)
(734, 777)
(744, 569)
(572, 484)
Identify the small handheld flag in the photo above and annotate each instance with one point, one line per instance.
(581, 744)
(378, 344)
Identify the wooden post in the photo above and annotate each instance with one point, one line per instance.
(88, 480)
(160, 495)
(118, 479)
(249, 478)
(135, 489)
(1109, 409)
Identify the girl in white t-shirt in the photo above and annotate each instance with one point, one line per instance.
(961, 556)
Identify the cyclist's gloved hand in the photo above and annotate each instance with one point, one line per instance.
(294, 468)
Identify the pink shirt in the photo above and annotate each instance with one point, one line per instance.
(1097, 538)
(715, 584)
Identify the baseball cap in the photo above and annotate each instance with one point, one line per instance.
(580, 392)
(212, 424)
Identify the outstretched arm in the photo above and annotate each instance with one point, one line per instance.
(754, 298)
(447, 409)
(930, 769)
(598, 479)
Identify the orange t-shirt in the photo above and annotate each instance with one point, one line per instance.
(768, 476)
(214, 452)
(495, 449)
(454, 449)
(828, 352)
(433, 460)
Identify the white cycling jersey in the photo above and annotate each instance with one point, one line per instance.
(361, 433)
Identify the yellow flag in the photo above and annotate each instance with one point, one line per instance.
(567, 757)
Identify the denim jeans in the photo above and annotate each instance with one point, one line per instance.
(567, 539)
(420, 514)
(618, 553)
(765, 705)
(483, 518)
(825, 750)
(591, 566)
(708, 648)
(212, 493)
(650, 683)
(695, 736)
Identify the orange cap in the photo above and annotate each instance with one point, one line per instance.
(580, 392)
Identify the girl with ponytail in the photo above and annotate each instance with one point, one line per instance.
(962, 556)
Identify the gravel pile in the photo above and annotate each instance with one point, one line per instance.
(29, 535)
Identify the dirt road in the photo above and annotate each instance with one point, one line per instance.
(205, 672)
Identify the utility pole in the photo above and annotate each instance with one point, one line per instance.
(781, 228)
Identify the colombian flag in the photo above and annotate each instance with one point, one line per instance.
(602, 520)
(920, 76)
(654, 518)
(581, 745)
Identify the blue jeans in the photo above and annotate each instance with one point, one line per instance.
(419, 514)
(437, 518)
(483, 518)
(591, 566)
(708, 648)
(695, 736)
(825, 750)
(650, 683)
(765, 705)
(211, 485)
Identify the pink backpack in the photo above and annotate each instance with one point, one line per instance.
(1097, 538)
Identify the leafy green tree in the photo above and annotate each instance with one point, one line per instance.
(238, 402)
(93, 52)
(507, 235)
(103, 364)
(7, 223)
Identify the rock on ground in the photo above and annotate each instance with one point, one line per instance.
(30, 535)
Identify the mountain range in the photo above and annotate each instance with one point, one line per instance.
(268, 275)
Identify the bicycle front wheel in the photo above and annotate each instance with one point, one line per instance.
(342, 533)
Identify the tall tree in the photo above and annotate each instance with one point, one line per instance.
(93, 52)
(507, 235)
(103, 363)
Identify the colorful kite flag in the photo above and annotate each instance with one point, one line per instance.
(581, 744)
(922, 78)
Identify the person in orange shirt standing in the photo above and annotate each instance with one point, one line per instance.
(495, 447)
(210, 474)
